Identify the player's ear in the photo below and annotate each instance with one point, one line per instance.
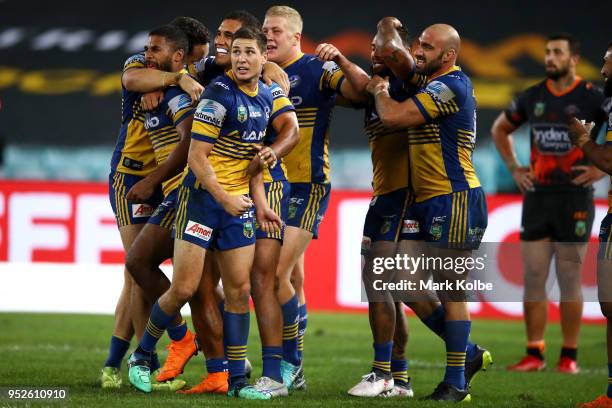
(179, 55)
(297, 37)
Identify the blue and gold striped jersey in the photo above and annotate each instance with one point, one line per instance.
(235, 119)
(441, 150)
(389, 147)
(314, 85)
(161, 127)
(133, 152)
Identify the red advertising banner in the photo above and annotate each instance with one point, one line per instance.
(46, 223)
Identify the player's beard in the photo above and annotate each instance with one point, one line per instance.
(432, 66)
(557, 73)
(165, 65)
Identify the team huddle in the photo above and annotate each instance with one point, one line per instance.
(222, 166)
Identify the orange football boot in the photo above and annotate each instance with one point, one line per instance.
(179, 353)
(213, 383)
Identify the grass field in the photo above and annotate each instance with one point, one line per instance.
(48, 350)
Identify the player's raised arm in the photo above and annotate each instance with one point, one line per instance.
(354, 87)
(393, 114)
(390, 45)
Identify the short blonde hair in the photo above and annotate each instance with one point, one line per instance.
(294, 19)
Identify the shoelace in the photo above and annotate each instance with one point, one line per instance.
(370, 377)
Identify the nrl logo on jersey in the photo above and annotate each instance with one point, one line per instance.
(539, 109)
(242, 114)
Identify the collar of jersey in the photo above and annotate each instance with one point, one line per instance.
(448, 71)
(252, 94)
(566, 90)
(285, 65)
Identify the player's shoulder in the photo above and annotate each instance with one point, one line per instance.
(534, 89)
(135, 61)
(313, 63)
(221, 84)
(449, 86)
(176, 98)
(273, 90)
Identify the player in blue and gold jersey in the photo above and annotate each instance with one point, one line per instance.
(450, 209)
(215, 210)
(314, 86)
(133, 197)
(601, 156)
(169, 128)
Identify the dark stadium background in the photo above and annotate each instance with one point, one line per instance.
(54, 95)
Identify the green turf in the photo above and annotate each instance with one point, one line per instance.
(68, 350)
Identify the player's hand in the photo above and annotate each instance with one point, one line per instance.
(141, 191)
(267, 156)
(588, 175)
(387, 37)
(191, 86)
(150, 101)
(268, 220)
(580, 131)
(274, 73)
(236, 204)
(328, 52)
(523, 178)
(389, 22)
(378, 84)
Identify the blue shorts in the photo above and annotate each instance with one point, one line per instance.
(165, 213)
(307, 205)
(277, 194)
(203, 222)
(605, 238)
(457, 220)
(384, 218)
(128, 212)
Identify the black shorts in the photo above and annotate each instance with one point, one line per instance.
(560, 216)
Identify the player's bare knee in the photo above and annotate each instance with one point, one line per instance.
(238, 294)
(184, 292)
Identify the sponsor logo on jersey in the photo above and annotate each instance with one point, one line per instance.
(142, 210)
(179, 102)
(254, 112)
(439, 91)
(551, 138)
(253, 136)
(277, 93)
(410, 227)
(210, 112)
(198, 230)
(294, 80)
(151, 122)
